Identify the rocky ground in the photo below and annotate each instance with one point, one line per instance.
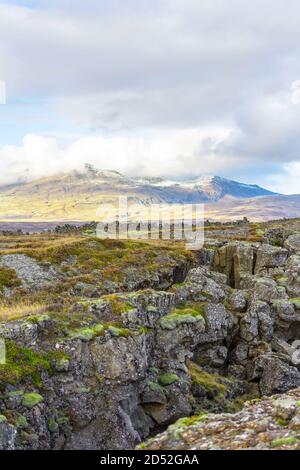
(263, 424)
(110, 342)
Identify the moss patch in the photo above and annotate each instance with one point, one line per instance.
(284, 441)
(24, 364)
(31, 399)
(192, 420)
(296, 303)
(155, 387)
(210, 382)
(21, 422)
(119, 332)
(167, 379)
(190, 313)
(117, 304)
(87, 333)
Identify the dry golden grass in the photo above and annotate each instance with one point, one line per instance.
(39, 242)
(20, 310)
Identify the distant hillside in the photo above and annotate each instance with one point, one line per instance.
(76, 196)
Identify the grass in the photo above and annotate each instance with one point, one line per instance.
(20, 310)
(192, 420)
(117, 304)
(95, 261)
(8, 278)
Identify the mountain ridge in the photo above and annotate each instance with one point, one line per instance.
(77, 195)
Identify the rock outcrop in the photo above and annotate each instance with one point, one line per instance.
(271, 423)
(112, 361)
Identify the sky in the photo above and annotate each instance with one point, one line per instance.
(172, 88)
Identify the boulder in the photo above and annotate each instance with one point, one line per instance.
(278, 377)
(292, 243)
(268, 256)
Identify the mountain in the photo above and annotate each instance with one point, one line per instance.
(77, 195)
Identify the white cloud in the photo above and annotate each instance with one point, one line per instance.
(287, 182)
(169, 86)
(174, 153)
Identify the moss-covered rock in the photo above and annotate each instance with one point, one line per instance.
(118, 331)
(87, 333)
(62, 364)
(23, 363)
(210, 382)
(21, 422)
(53, 425)
(32, 399)
(284, 441)
(187, 314)
(168, 379)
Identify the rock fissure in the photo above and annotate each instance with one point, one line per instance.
(107, 371)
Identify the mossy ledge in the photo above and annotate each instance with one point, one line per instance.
(26, 365)
(187, 313)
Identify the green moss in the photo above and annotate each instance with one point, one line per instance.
(284, 441)
(26, 365)
(260, 232)
(118, 306)
(15, 393)
(62, 364)
(87, 333)
(210, 382)
(2, 419)
(52, 425)
(282, 422)
(38, 319)
(62, 420)
(21, 422)
(296, 303)
(167, 379)
(23, 363)
(192, 420)
(155, 387)
(282, 280)
(111, 257)
(31, 399)
(186, 314)
(122, 332)
(145, 330)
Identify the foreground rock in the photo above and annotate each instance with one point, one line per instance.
(267, 424)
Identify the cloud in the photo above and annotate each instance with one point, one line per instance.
(286, 182)
(137, 76)
(174, 153)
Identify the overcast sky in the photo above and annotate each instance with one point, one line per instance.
(175, 88)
